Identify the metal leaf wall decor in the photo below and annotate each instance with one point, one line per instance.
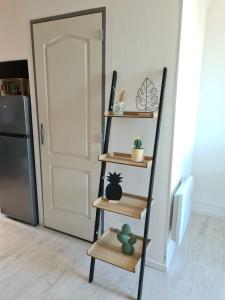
(147, 99)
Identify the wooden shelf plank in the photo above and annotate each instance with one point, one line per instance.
(124, 159)
(129, 205)
(132, 114)
(108, 249)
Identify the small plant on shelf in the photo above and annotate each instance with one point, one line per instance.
(137, 154)
(127, 239)
(113, 190)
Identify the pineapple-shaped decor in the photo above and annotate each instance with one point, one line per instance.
(113, 190)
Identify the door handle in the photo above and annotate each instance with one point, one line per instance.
(42, 134)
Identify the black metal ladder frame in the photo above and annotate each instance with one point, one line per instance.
(151, 181)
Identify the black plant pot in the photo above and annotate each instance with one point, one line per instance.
(113, 192)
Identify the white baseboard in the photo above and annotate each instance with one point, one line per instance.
(209, 209)
(155, 265)
(169, 256)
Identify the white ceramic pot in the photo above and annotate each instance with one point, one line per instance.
(137, 155)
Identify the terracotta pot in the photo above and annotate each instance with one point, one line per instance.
(137, 155)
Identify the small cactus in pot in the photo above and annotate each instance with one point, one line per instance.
(137, 154)
(127, 239)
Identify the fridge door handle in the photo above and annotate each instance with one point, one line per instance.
(42, 134)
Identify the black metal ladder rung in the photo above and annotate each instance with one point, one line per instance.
(151, 181)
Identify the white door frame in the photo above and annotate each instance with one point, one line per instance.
(101, 10)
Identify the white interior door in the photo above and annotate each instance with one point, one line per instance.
(68, 62)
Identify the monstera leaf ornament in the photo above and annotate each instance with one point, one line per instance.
(147, 98)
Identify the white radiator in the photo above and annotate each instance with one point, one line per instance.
(182, 209)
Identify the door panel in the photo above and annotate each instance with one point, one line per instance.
(77, 192)
(68, 62)
(76, 52)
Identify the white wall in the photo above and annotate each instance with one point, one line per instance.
(188, 87)
(209, 161)
(142, 37)
(149, 45)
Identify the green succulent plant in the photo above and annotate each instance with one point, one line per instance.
(137, 143)
(127, 239)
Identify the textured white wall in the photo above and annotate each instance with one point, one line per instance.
(187, 98)
(142, 37)
(209, 162)
(188, 88)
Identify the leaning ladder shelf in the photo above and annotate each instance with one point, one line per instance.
(124, 159)
(106, 247)
(132, 114)
(129, 205)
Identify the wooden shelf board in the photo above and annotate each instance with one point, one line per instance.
(108, 249)
(132, 114)
(124, 159)
(129, 205)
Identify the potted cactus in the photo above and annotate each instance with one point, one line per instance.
(113, 190)
(127, 239)
(137, 154)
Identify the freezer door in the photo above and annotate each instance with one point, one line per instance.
(17, 181)
(15, 116)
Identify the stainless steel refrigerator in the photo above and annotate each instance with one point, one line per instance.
(17, 170)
